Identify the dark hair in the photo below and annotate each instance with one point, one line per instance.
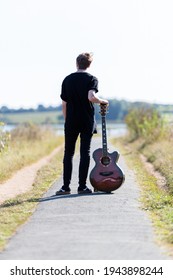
(84, 60)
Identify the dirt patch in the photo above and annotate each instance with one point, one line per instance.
(22, 181)
(161, 181)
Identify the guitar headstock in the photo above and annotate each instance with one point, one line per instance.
(103, 109)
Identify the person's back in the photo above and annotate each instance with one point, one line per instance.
(79, 111)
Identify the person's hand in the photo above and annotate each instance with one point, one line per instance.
(104, 101)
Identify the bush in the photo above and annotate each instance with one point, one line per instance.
(146, 123)
(4, 138)
(30, 132)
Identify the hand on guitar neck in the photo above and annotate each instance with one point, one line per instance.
(104, 102)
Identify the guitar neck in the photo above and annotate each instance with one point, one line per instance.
(104, 136)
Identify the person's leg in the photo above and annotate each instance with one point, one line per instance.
(85, 142)
(70, 142)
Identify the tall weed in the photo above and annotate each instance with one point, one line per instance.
(146, 123)
(30, 132)
(4, 138)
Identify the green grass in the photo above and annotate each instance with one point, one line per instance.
(34, 117)
(15, 212)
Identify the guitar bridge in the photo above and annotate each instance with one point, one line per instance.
(106, 173)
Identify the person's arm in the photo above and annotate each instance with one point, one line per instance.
(64, 105)
(92, 96)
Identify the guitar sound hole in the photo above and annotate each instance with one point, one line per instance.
(105, 160)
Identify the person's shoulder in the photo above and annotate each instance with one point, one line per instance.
(94, 78)
(91, 76)
(80, 74)
(68, 77)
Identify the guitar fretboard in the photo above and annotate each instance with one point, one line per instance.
(104, 136)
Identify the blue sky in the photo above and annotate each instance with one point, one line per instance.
(131, 40)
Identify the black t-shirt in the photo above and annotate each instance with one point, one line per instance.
(80, 111)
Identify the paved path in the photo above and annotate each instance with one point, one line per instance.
(97, 226)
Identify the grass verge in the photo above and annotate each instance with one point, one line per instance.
(23, 152)
(15, 212)
(156, 201)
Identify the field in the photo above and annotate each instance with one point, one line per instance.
(34, 117)
(26, 144)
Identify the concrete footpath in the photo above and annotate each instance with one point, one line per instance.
(92, 227)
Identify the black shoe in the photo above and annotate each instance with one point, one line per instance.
(84, 190)
(63, 191)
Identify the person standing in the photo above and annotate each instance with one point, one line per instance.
(78, 93)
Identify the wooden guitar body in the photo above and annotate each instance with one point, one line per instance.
(106, 176)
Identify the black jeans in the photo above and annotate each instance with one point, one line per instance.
(70, 142)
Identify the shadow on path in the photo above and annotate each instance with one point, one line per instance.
(53, 197)
(49, 198)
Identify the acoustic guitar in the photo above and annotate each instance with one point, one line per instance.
(106, 175)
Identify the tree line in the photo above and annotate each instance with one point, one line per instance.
(117, 109)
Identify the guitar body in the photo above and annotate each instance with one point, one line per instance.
(106, 176)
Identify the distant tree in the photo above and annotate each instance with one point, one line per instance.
(21, 110)
(41, 108)
(30, 110)
(51, 108)
(4, 109)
